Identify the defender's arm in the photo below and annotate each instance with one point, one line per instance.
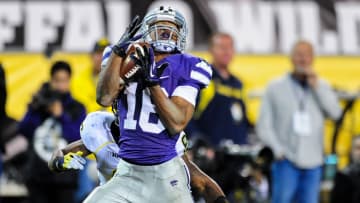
(59, 156)
(206, 186)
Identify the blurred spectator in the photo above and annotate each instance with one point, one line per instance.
(221, 112)
(53, 119)
(83, 87)
(7, 124)
(291, 122)
(220, 120)
(347, 182)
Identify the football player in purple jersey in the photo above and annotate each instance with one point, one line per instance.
(153, 109)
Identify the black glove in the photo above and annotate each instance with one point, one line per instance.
(150, 72)
(120, 47)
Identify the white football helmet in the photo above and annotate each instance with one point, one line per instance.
(165, 30)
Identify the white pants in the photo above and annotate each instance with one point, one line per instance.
(168, 182)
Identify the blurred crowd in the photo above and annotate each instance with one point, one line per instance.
(278, 159)
(52, 120)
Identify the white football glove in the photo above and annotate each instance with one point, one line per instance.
(73, 161)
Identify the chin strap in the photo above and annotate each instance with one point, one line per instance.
(164, 49)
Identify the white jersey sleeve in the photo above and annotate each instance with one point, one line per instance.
(95, 130)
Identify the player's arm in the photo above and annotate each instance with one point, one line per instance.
(206, 186)
(175, 112)
(109, 83)
(69, 158)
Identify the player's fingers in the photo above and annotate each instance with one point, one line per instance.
(68, 157)
(70, 165)
(80, 153)
(81, 167)
(139, 53)
(134, 22)
(143, 56)
(76, 165)
(146, 51)
(80, 159)
(134, 31)
(136, 37)
(136, 60)
(150, 54)
(161, 68)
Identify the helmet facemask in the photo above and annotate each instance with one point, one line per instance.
(165, 30)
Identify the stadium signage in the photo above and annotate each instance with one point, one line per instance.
(259, 27)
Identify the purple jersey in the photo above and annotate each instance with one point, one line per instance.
(144, 139)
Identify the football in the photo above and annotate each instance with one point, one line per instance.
(128, 68)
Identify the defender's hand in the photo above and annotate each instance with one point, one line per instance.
(74, 161)
(71, 161)
(125, 40)
(150, 72)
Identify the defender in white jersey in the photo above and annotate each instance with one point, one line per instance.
(96, 136)
(99, 135)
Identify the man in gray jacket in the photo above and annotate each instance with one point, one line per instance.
(291, 122)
